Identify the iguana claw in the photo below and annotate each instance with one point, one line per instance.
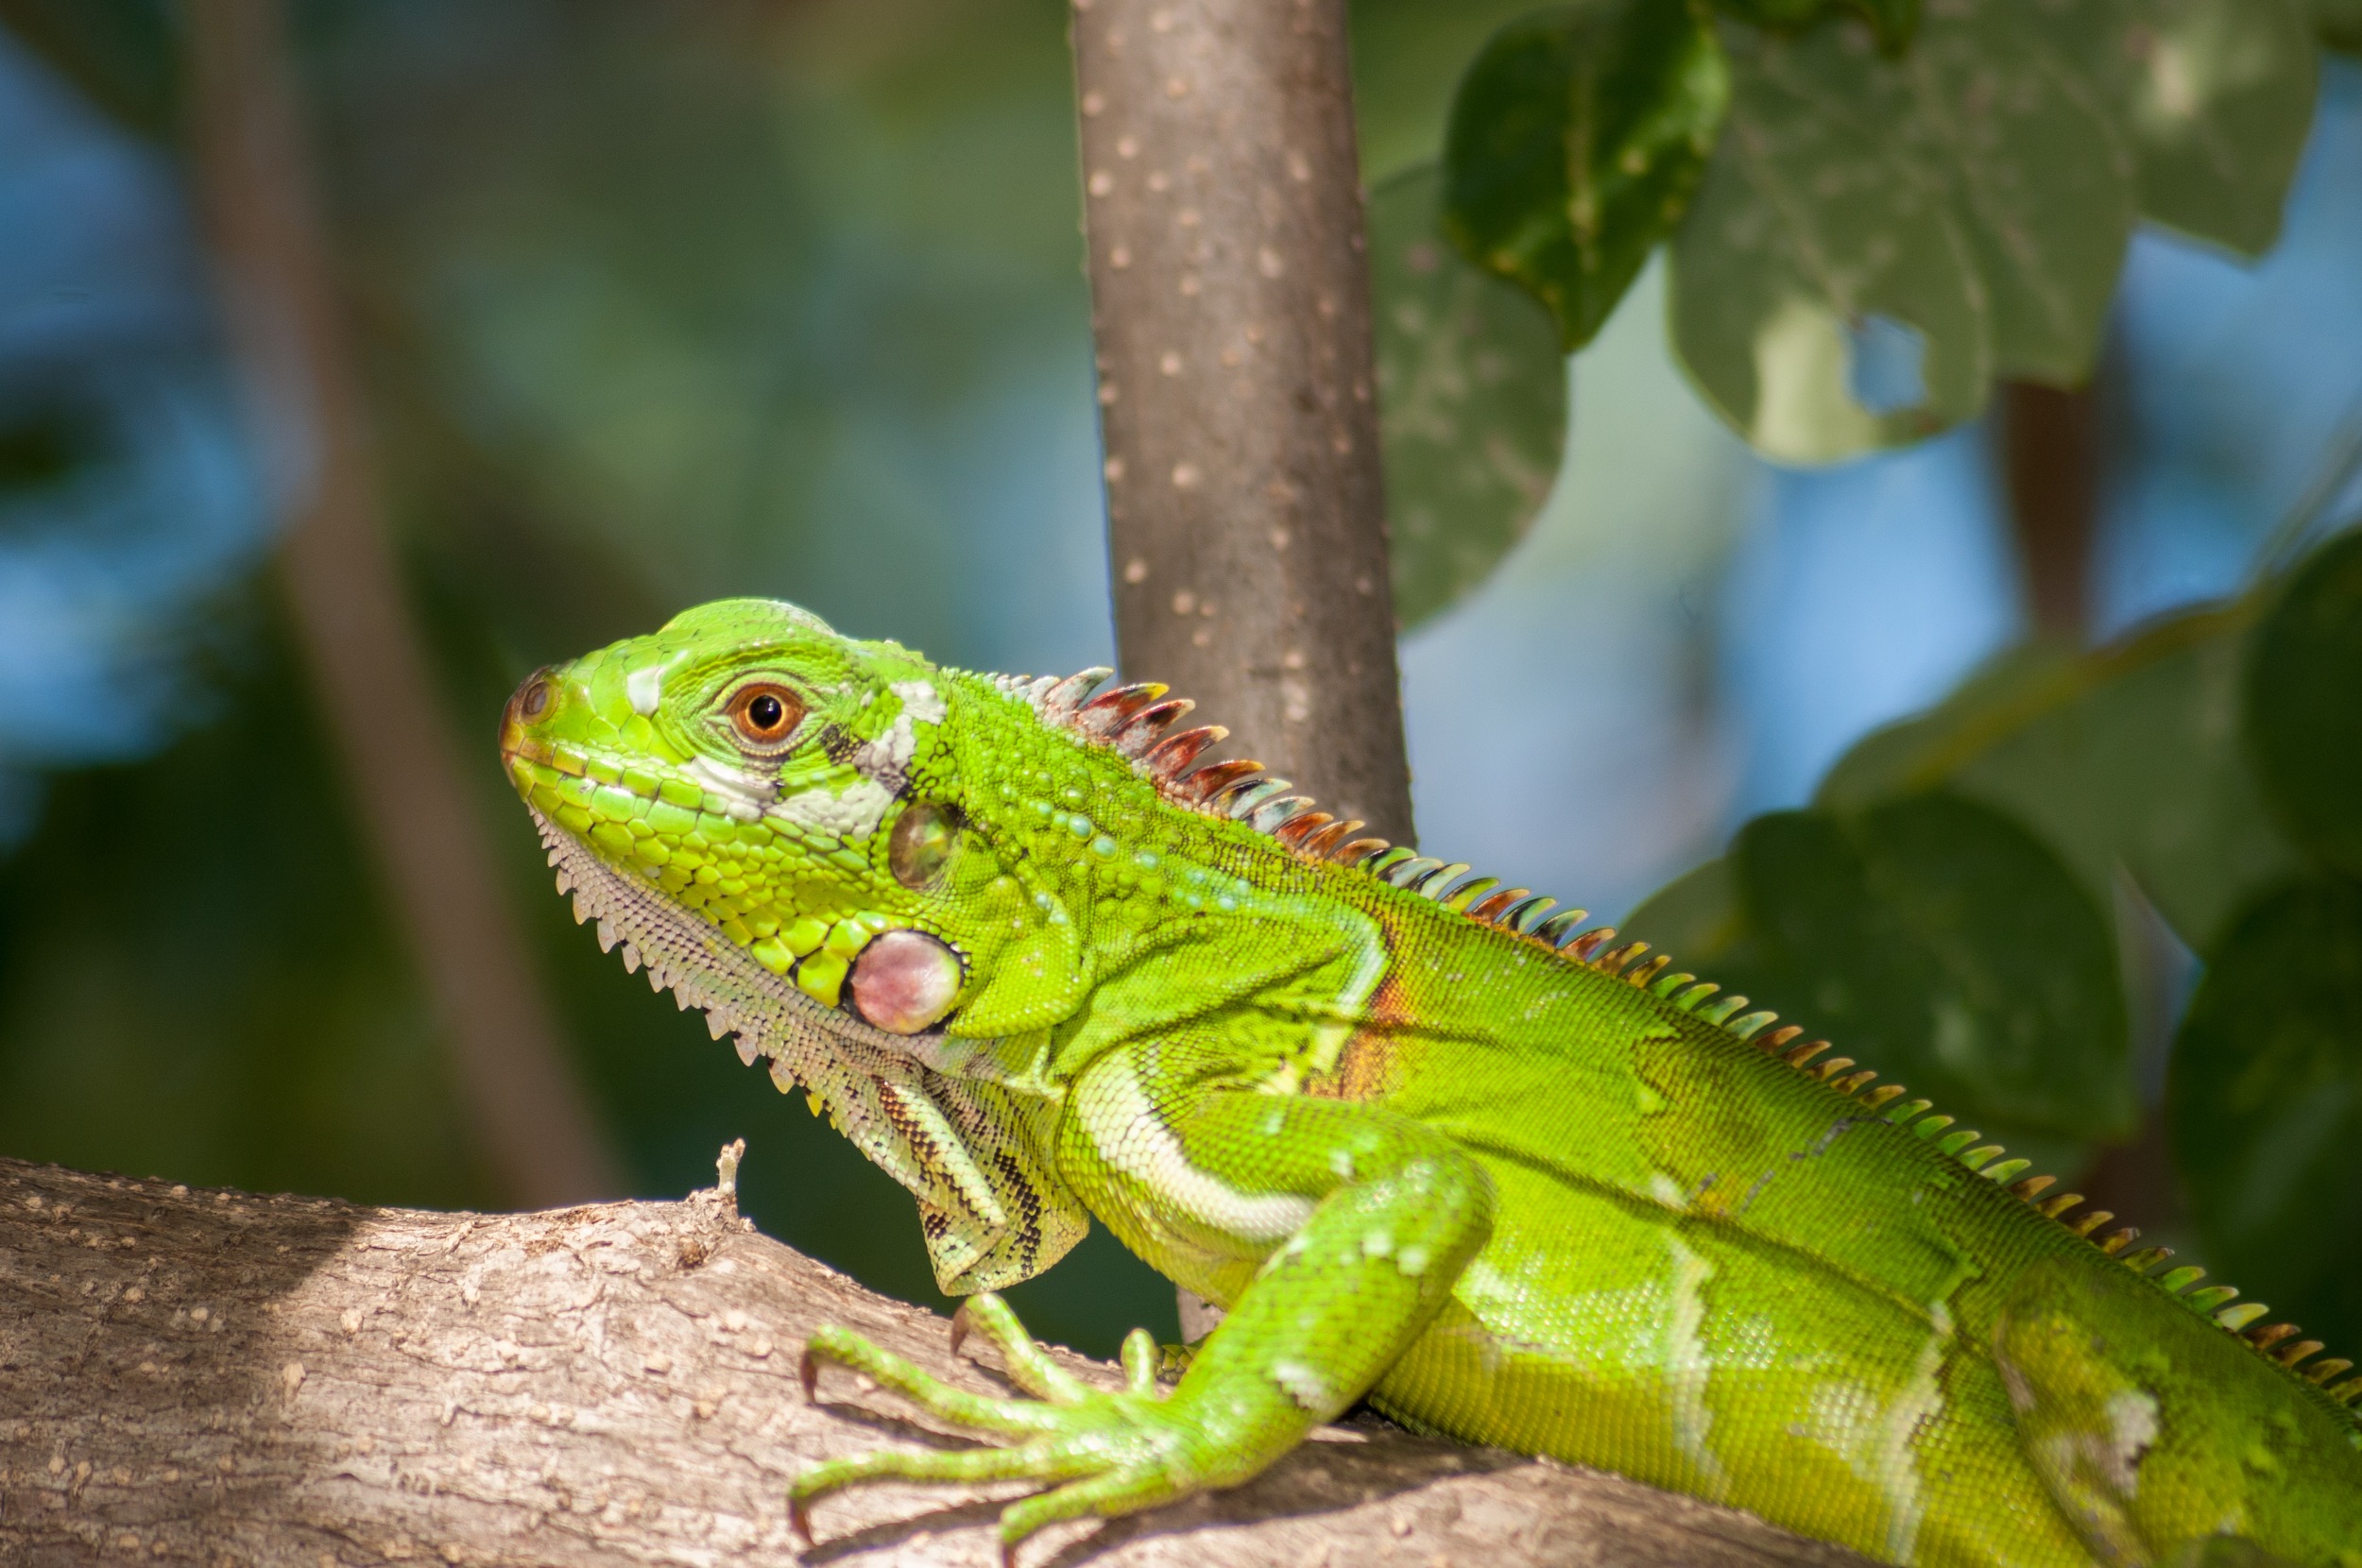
(1115, 1450)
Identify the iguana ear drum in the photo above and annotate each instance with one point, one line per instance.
(920, 844)
(905, 981)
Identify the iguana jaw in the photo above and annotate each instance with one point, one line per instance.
(705, 969)
(920, 1107)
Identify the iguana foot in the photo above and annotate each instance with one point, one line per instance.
(1118, 1453)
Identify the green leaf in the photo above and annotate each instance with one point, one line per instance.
(2129, 756)
(1895, 22)
(2339, 24)
(1937, 940)
(1933, 939)
(1976, 192)
(2304, 705)
(1471, 397)
(2219, 97)
(2264, 1106)
(1576, 139)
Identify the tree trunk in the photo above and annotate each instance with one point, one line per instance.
(1230, 304)
(223, 1379)
(529, 1117)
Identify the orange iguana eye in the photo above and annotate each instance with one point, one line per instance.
(767, 714)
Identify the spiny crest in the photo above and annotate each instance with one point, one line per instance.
(1132, 721)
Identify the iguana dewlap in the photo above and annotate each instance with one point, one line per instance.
(1425, 1140)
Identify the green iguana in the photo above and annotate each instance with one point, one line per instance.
(1427, 1140)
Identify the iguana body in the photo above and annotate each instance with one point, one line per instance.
(1424, 1144)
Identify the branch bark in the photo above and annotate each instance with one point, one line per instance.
(1230, 305)
(531, 1120)
(228, 1379)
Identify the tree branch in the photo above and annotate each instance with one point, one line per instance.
(221, 1378)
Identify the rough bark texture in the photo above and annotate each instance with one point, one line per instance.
(531, 1119)
(1230, 305)
(220, 1378)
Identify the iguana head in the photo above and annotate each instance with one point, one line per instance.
(771, 819)
(749, 767)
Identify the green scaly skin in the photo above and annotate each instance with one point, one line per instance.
(1424, 1146)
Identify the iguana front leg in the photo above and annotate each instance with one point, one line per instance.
(1349, 1224)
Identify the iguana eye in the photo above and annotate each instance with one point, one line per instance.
(765, 714)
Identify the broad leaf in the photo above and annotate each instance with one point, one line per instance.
(1895, 22)
(2338, 23)
(1931, 938)
(1881, 235)
(1695, 917)
(2304, 705)
(1974, 192)
(1576, 140)
(1471, 399)
(2263, 1104)
(2218, 101)
(1943, 943)
(2128, 755)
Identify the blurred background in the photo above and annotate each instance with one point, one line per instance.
(651, 303)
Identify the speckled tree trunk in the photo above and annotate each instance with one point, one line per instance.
(1230, 304)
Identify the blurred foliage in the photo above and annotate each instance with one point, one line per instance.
(1576, 141)
(2126, 756)
(2264, 1106)
(122, 55)
(1939, 913)
(1881, 232)
(1894, 22)
(189, 984)
(2303, 719)
(2340, 23)
(1939, 940)
(1471, 397)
